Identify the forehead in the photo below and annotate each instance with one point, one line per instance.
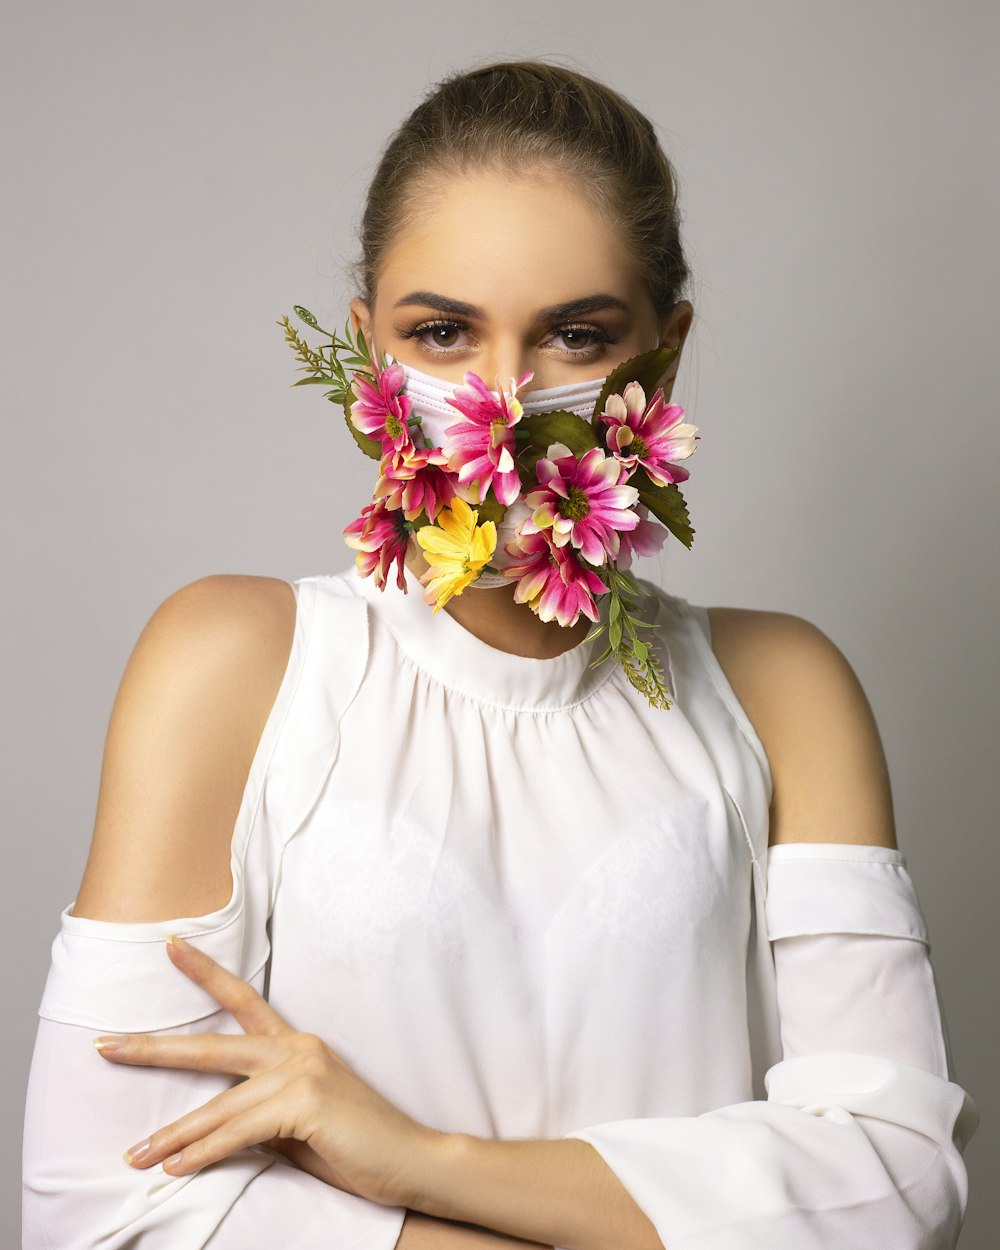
(508, 243)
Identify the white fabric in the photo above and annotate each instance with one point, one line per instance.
(876, 1158)
(429, 396)
(523, 903)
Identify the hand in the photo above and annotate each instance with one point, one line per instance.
(301, 1099)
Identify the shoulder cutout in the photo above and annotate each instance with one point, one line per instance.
(828, 767)
(191, 706)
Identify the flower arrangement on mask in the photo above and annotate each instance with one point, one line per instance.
(592, 487)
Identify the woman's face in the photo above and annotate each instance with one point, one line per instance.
(505, 275)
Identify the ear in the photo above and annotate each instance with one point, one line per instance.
(673, 332)
(360, 316)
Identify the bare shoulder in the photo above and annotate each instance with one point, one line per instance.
(186, 720)
(828, 765)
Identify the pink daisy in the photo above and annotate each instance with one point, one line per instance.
(584, 502)
(381, 411)
(645, 540)
(415, 480)
(550, 579)
(648, 436)
(480, 446)
(380, 537)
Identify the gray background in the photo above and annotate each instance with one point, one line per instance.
(179, 174)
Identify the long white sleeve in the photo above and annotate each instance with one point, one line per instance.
(82, 1112)
(859, 1142)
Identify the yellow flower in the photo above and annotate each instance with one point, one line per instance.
(456, 548)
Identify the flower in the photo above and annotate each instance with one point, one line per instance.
(456, 550)
(550, 579)
(380, 410)
(480, 446)
(380, 536)
(584, 502)
(648, 436)
(415, 480)
(645, 540)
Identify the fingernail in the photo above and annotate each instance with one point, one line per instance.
(106, 1045)
(174, 1160)
(136, 1152)
(174, 940)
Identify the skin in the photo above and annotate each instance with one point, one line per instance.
(214, 654)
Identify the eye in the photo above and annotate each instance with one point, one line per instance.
(575, 333)
(438, 338)
(442, 332)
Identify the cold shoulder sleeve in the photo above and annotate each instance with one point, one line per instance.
(82, 1112)
(859, 1142)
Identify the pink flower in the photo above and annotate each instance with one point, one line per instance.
(380, 537)
(480, 447)
(648, 436)
(550, 579)
(381, 411)
(646, 539)
(584, 502)
(415, 480)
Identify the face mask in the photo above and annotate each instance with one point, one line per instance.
(428, 395)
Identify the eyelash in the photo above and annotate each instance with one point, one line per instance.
(602, 338)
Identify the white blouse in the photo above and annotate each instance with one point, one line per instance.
(521, 902)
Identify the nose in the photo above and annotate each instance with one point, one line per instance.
(506, 366)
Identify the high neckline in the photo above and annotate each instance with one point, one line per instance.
(453, 655)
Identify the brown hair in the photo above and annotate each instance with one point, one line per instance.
(514, 115)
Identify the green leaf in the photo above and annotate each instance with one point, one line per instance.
(641, 649)
(667, 504)
(490, 509)
(615, 633)
(368, 445)
(322, 380)
(615, 608)
(647, 369)
(543, 429)
(601, 658)
(305, 315)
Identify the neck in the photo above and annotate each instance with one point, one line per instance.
(494, 617)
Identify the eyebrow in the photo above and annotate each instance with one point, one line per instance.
(571, 308)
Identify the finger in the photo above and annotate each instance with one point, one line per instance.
(239, 1054)
(258, 1124)
(253, 1013)
(182, 1133)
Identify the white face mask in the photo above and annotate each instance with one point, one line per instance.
(429, 394)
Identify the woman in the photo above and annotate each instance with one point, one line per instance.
(503, 953)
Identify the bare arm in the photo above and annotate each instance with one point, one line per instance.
(425, 1232)
(185, 723)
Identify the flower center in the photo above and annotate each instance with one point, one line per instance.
(638, 447)
(393, 425)
(576, 507)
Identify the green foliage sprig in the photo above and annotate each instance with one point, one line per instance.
(331, 366)
(639, 661)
